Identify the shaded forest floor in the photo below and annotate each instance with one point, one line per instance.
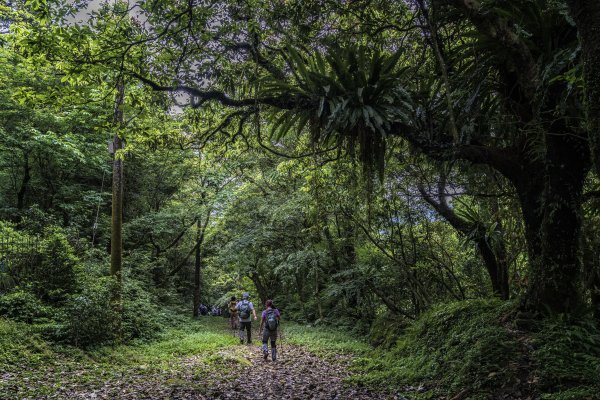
(464, 350)
(201, 360)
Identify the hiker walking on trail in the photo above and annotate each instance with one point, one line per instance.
(233, 313)
(246, 311)
(269, 323)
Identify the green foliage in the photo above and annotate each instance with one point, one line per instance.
(20, 345)
(350, 97)
(55, 276)
(90, 316)
(188, 338)
(385, 330)
(22, 305)
(567, 356)
(451, 347)
(324, 341)
(142, 318)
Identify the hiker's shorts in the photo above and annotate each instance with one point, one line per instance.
(267, 334)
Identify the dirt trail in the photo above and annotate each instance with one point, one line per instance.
(297, 374)
(231, 373)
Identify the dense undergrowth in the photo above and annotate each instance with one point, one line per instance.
(473, 349)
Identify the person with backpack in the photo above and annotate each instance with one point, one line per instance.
(246, 310)
(233, 313)
(202, 309)
(270, 322)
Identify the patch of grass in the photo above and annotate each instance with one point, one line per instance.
(28, 358)
(20, 346)
(324, 341)
(190, 338)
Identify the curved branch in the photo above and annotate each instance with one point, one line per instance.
(504, 160)
(281, 102)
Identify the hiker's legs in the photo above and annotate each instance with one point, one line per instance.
(273, 345)
(265, 339)
(246, 326)
(267, 334)
(249, 331)
(242, 327)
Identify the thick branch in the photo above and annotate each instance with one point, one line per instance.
(199, 97)
(504, 160)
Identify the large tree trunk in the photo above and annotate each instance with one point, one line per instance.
(553, 232)
(586, 14)
(260, 287)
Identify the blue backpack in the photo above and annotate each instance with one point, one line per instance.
(245, 309)
(271, 320)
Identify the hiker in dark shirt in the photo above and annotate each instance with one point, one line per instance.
(269, 323)
(246, 311)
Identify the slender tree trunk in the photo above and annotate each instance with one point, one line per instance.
(497, 270)
(197, 268)
(25, 182)
(595, 294)
(116, 242)
(493, 259)
(318, 293)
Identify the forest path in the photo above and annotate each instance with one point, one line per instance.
(201, 360)
(297, 374)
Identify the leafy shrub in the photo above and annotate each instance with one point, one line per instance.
(93, 320)
(22, 305)
(90, 317)
(55, 276)
(385, 329)
(142, 319)
(20, 345)
(452, 347)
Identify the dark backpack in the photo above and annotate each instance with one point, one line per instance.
(245, 309)
(271, 319)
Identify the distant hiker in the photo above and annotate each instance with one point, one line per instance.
(245, 310)
(202, 309)
(233, 313)
(269, 323)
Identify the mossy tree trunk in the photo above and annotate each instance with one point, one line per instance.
(586, 14)
(116, 242)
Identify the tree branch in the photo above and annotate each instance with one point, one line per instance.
(199, 97)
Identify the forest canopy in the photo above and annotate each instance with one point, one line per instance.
(358, 162)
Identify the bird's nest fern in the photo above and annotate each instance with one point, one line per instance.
(348, 98)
